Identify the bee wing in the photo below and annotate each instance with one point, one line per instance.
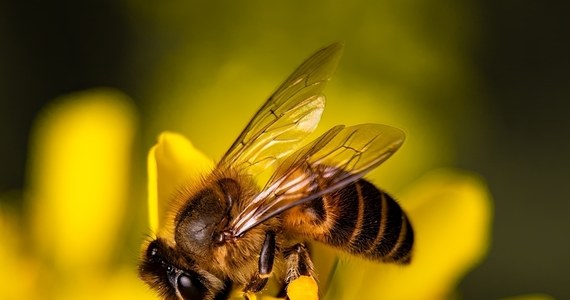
(287, 117)
(335, 159)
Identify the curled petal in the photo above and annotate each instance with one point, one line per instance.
(172, 162)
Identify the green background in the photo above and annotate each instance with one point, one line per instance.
(489, 80)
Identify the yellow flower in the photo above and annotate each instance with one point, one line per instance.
(70, 243)
(450, 211)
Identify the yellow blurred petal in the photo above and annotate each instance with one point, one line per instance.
(172, 162)
(124, 284)
(79, 178)
(451, 215)
(18, 273)
(152, 190)
(303, 288)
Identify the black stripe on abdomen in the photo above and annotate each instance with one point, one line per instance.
(402, 251)
(370, 219)
(362, 220)
(386, 233)
(392, 219)
(342, 215)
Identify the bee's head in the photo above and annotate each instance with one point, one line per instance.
(177, 277)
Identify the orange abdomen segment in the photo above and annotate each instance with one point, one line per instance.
(359, 219)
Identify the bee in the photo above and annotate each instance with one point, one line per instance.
(228, 233)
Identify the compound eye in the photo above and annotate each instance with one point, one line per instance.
(190, 288)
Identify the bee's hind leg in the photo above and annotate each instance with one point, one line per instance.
(298, 262)
(265, 267)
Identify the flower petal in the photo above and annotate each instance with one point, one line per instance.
(15, 264)
(79, 178)
(172, 162)
(451, 214)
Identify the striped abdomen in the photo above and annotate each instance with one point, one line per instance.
(359, 219)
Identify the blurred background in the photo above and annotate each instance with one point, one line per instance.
(477, 85)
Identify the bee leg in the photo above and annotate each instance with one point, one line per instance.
(298, 262)
(265, 264)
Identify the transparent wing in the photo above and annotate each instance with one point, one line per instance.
(288, 116)
(335, 159)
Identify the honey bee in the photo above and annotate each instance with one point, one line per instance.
(230, 234)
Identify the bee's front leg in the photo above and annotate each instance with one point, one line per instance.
(265, 264)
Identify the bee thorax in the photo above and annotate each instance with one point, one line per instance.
(197, 229)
